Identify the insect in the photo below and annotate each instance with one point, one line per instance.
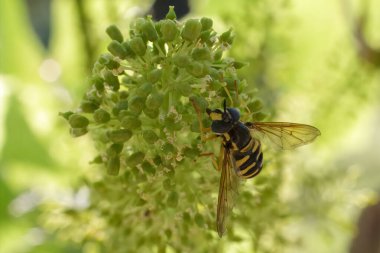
(241, 156)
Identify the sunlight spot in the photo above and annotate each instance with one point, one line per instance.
(132, 12)
(50, 70)
(82, 198)
(3, 94)
(24, 203)
(35, 236)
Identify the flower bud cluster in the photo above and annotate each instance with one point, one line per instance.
(138, 110)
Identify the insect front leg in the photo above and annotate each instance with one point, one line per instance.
(202, 129)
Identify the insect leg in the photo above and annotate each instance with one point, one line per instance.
(202, 129)
(217, 163)
(213, 159)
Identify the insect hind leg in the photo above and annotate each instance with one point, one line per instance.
(216, 162)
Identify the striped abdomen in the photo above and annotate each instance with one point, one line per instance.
(249, 159)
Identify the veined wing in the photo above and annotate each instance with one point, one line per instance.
(285, 135)
(228, 189)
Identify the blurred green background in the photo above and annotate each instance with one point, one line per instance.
(307, 62)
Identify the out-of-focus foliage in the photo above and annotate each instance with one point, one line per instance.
(304, 68)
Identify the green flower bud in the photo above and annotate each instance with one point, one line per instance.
(104, 58)
(157, 59)
(186, 217)
(128, 49)
(171, 172)
(157, 25)
(206, 23)
(181, 61)
(120, 106)
(98, 82)
(144, 90)
(78, 121)
(201, 102)
(171, 13)
(218, 55)
(172, 200)
(119, 136)
(191, 30)
(255, 105)
(116, 49)
(201, 54)
(148, 168)
(206, 69)
(195, 69)
(215, 73)
(171, 124)
(184, 89)
(154, 101)
(97, 67)
(114, 150)
(88, 106)
(199, 220)
(169, 148)
(157, 160)
(135, 159)
(169, 30)
(112, 64)
(97, 160)
(66, 115)
(168, 233)
(76, 132)
(101, 116)
(113, 166)
(123, 94)
(138, 24)
(111, 80)
(239, 65)
(150, 136)
(136, 104)
(215, 85)
(191, 152)
(138, 46)
(206, 36)
(123, 113)
(167, 184)
(128, 176)
(151, 113)
(227, 37)
(149, 30)
(92, 95)
(114, 33)
(131, 122)
(154, 75)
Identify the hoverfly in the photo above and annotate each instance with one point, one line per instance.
(241, 155)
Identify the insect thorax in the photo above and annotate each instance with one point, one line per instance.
(238, 136)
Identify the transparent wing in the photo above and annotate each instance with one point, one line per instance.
(285, 135)
(228, 190)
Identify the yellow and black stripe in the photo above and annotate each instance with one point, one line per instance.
(249, 159)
